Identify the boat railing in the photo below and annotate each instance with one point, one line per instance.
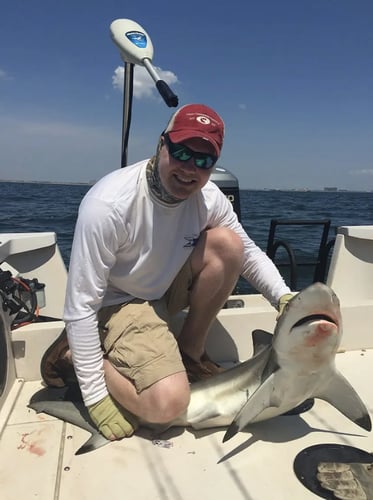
(319, 263)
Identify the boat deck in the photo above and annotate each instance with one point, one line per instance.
(37, 453)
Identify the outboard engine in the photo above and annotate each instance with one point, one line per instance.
(228, 183)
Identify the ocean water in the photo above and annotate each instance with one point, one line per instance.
(31, 207)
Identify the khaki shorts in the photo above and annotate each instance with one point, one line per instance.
(135, 336)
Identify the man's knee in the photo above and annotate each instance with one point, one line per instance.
(168, 398)
(219, 244)
(224, 240)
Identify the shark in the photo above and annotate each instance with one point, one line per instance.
(294, 364)
(64, 405)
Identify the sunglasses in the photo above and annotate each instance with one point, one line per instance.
(183, 153)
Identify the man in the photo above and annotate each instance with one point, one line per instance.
(150, 240)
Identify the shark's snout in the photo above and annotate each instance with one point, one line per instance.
(320, 332)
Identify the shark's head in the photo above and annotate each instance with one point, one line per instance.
(310, 328)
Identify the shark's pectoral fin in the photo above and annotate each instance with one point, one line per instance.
(340, 393)
(261, 399)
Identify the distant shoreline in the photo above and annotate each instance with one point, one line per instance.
(63, 183)
(297, 190)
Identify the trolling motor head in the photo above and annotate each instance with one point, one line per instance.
(136, 47)
(132, 40)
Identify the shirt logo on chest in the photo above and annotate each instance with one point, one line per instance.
(191, 241)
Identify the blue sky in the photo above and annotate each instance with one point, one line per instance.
(292, 79)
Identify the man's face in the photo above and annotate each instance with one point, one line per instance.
(182, 178)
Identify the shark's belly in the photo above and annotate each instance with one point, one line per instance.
(207, 409)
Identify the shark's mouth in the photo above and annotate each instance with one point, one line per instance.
(314, 317)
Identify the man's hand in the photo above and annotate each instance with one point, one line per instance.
(111, 419)
(284, 299)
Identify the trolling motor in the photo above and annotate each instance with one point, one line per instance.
(135, 47)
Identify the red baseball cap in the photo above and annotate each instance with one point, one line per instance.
(197, 120)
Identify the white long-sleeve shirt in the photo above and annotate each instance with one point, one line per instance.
(127, 244)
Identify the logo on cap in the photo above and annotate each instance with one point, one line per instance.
(203, 119)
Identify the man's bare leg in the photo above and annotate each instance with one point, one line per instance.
(216, 266)
(160, 403)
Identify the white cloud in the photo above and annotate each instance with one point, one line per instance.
(363, 171)
(143, 84)
(4, 75)
(242, 106)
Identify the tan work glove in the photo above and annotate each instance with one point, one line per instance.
(113, 421)
(284, 299)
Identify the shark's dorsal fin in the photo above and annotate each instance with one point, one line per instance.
(340, 393)
(261, 340)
